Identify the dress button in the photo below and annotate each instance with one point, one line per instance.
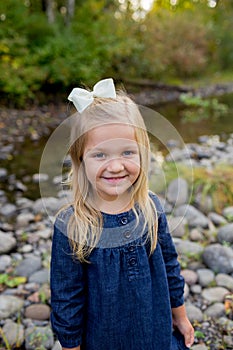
(132, 261)
(127, 234)
(131, 248)
(124, 220)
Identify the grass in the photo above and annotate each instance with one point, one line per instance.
(216, 183)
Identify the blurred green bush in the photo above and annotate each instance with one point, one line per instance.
(105, 39)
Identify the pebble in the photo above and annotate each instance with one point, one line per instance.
(224, 280)
(214, 294)
(194, 216)
(38, 337)
(24, 219)
(186, 291)
(217, 219)
(8, 210)
(9, 305)
(49, 205)
(218, 258)
(196, 235)
(14, 333)
(228, 340)
(40, 277)
(228, 213)
(204, 204)
(177, 226)
(57, 346)
(5, 261)
(7, 242)
(199, 347)
(177, 192)
(215, 310)
(194, 313)
(185, 247)
(205, 277)
(40, 177)
(28, 266)
(3, 174)
(45, 233)
(27, 248)
(196, 289)
(37, 312)
(189, 276)
(225, 234)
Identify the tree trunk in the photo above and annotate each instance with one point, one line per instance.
(70, 11)
(50, 11)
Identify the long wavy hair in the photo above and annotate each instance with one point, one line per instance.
(85, 226)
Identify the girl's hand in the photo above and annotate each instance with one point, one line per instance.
(181, 321)
(186, 329)
(77, 348)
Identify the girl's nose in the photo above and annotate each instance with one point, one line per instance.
(115, 166)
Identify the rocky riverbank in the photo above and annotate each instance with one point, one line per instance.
(204, 241)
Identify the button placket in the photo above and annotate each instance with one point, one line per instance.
(132, 262)
(124, 220)
(127, 234)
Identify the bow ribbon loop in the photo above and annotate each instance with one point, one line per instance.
(82, 98)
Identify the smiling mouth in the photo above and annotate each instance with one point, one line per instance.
(115, 178)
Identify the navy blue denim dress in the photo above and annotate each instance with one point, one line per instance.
(122, 299)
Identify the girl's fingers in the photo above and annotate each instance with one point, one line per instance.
(189, 338)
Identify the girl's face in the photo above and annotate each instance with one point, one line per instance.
(112, 160)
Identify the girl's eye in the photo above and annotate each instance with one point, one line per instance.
(128, 153)
(99, 155)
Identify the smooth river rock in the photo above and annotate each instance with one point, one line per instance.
(28, 266)
(225, 234)
(194, 216)
(38, 338)
(218, 258)
(205, 277)
(214, 294)
(177, 192)
(38, 312)
(14, 332)
(188, 248)
(7, 242)
(9, 305)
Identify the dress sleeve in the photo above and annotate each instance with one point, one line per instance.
(67, 291)
(175, 280)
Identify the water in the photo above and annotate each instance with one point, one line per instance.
(190, 131)
(27, 160)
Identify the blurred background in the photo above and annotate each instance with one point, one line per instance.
(173, 56)
(49, 46)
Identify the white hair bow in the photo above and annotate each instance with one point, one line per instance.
(82, 98)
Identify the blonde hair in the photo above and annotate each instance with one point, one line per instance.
(85, 225)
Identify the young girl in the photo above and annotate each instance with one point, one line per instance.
(115, 278)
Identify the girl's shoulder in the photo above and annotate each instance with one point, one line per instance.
(63, 218)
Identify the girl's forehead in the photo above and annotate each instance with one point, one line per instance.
(110, 132)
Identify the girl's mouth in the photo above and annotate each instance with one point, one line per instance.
(114, 179)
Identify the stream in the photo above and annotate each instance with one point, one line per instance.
(25, 159)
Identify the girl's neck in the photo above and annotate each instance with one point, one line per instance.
(117, 206)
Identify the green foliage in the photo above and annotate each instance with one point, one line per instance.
(11, 282)
(202, 108)
(105, 39)
(5, 340)
(216, 183)
(199, 335)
